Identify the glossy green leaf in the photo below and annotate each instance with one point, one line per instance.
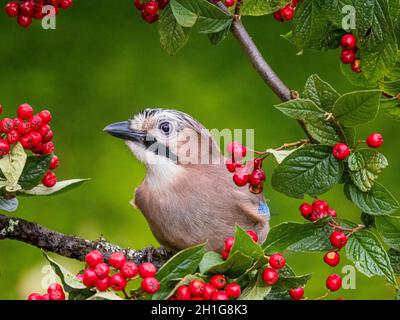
(256, 290)
(210, 259)
(309, 170)
(300, 109)
(60, 187)
(320, 92)
(394, 257)
(245, 245)
(391, 108)
(389, 229)
(236, 265)
(376, 201)
(34, 170)
(261, 7)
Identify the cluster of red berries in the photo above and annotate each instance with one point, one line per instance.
(229, 3)
(349, 52)
(250, 173)
(97, 275)
(229, 242)
(26, 10)
(150, 9)
(317, 210)
(54, 292)
(270, 275)
(341, 151)
(216, 289)
(34, 133)
(287, 12)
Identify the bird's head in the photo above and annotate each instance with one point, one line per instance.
(155, 135)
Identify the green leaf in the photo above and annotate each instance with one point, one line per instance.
(261, 7)
(183, 263)
(323, 131)
(208, 17)
(236, 265)
(60, 187)
(210, 259)
(309, 170)
(69, 281)
(11, 165)
(355, 108)
(376, 201)
(391, 108)
(172, 35)
(365, 167)
(389, 229)
(394, 257)
(245, 244)
(292, 282)
(307, 237)
(278, 295)
(8, 205)
(300, 109)
(34, 170)
(218, 37)
(368, 255)
(390, 87)
(320, 92)
(256, 290)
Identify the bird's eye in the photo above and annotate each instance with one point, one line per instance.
(166, 128)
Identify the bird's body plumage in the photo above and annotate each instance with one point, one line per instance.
(190, 203)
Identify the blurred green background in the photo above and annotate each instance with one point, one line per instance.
(104, 64)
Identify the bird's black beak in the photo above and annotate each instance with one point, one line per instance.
(121, 130)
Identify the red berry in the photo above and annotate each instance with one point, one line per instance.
(356, 66)
(375, 140)
(319, 205)
(24, 21)
(151, 7)
(56, 295)
(48, 148)
(332, 258)
(277, 261)
(89, 278)
(48, 136)
(316, 215)
(225, 254)
(102, 270)
(13, 137)
(348, 42)
(231, 166)
(197, 298)
(103, 284)
(220, 295)
(241, 179)
(338, 239)
(37, 12)
(44, 130)
(162, 3)
(208, 291)
(54, 163)
(35, 138)
(287, 13)
(341, 151)
(1, 109)
(332, 213)
(65, 4)
(218, 281)
(270, 276)
(4, 147)
(229, 243)
(49, 180)
(237, 150)
(22, 127)
(297, 294)
(149, 18)
(129, 270)
(6, 125)
(138, 4)
(27, 8)
(230, 3)
(196, 288)
(233, 290)
(150, 285)
(35, 296)
(117, 282)
(334, 282)
(253, 235)
(348, 56)
(278, 16)
(45, 297)
(12, 9)
(93, 258)
(54, 286)
(257, 177)
(36, 122)
(25, 111)
(116, 260)
(183, 293)
(45, 115)
(147, 269)
(306, 210)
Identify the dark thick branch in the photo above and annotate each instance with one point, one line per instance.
(71, 246)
